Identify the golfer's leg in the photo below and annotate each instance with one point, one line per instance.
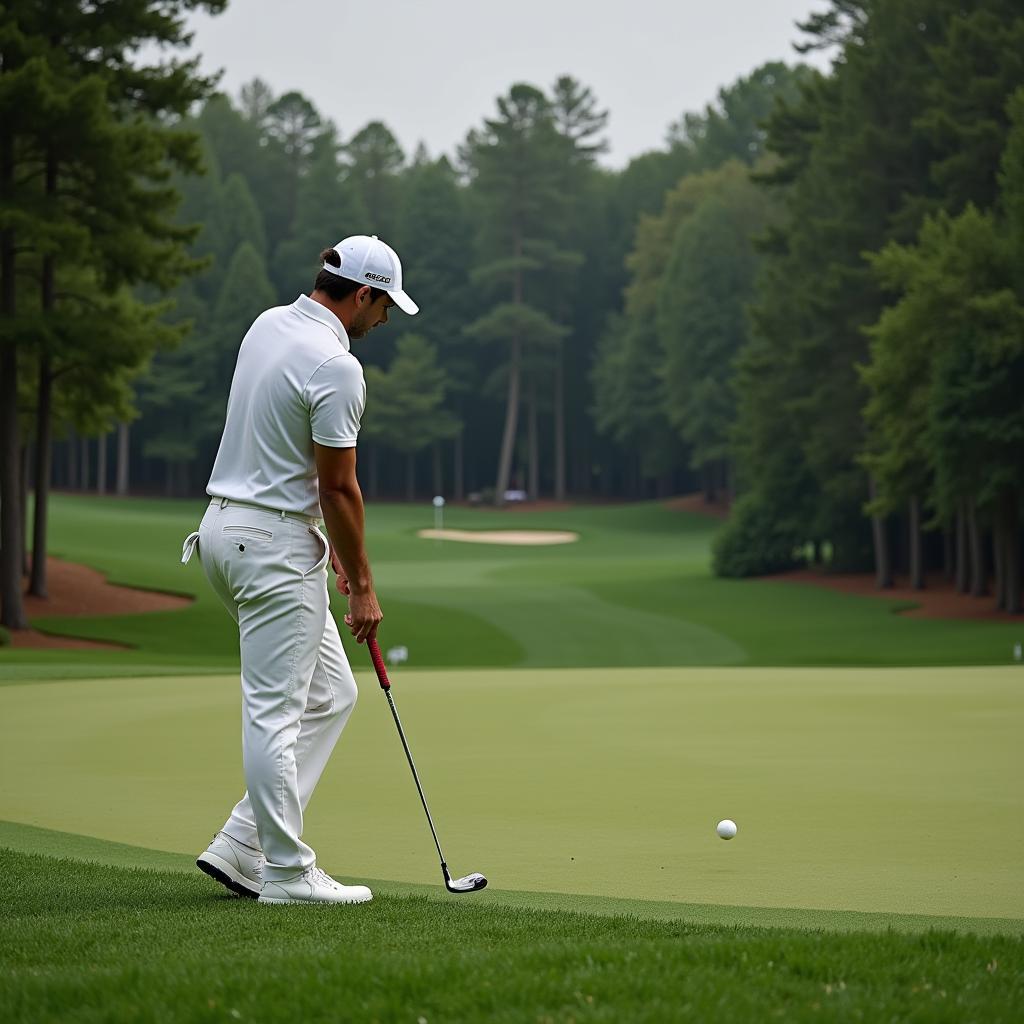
(240, 824)
(280, 638)
(332, 696)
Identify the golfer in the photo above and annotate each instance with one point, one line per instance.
(286, 463)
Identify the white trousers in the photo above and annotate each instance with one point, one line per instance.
(270, 571)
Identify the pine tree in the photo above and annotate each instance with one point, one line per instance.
(85, 157)
(701, 317)
(374, 161)
(405, 404)
(515, 166)
(947, 371)
(293, 125)
(435, 240)
(849, 160)
(327, 210)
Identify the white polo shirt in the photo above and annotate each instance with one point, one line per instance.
(295, 382)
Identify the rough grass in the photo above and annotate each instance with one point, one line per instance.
(85, 942)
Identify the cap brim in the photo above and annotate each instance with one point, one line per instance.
(404, 303)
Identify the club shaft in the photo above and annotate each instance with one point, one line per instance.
(416, 778)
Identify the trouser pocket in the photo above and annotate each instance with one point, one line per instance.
(322, 563)
(241, 532)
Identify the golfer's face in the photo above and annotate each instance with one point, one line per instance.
(370, 315)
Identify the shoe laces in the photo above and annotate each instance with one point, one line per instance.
(316, 874)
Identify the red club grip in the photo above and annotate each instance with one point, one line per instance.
(378, 664)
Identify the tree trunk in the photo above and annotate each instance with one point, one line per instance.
(23, 498)
(707, 474)
(44, 412)
(883, 564)
(44, 448)
(12, 609)
(83, 464)
(916, 561)
(979, 580)
(962, 554)
(374, 473)
(533, 458)
(101, 464)
(460, 484)
(1011, 555)
(580, 479)
(998, 551)
(438, 475)
(410, 477)
(72, 463)
(123, 458)
(948, 563)
(508, 438)
(12, 614)
(560, 489)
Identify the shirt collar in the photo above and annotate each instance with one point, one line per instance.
(316, 311)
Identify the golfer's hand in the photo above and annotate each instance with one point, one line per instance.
(342, 580)
(363, 616)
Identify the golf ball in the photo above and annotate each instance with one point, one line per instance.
(726, 828)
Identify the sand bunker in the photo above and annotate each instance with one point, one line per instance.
(520, 537)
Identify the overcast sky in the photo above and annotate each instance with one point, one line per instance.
(432, 69)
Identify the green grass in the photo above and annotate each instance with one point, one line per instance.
(872, 790)
(85, 942)
(597, 712)
(635, 590)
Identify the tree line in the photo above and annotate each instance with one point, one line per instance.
(807, 297)
(879, 416)
(836, 336)
(516, 246)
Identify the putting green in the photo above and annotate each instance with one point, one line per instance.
(883, 790)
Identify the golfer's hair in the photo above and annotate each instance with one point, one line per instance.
(336, 287)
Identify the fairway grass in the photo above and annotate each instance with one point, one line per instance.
(877, 791)
(635, 590)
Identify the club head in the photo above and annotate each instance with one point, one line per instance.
(468, 883)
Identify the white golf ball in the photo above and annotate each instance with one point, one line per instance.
(726, 828)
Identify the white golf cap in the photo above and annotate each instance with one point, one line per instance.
(368, 260)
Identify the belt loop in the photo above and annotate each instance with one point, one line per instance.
(223, 502)
(282, 513)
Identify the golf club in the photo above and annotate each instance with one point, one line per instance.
(468, 883)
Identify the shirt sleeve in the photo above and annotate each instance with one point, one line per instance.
(336, 395)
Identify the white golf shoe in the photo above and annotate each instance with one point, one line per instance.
(313, 886)
(236, 866)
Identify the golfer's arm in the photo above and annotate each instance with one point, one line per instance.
(341, 501)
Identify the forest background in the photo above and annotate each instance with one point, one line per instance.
(809, 297)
